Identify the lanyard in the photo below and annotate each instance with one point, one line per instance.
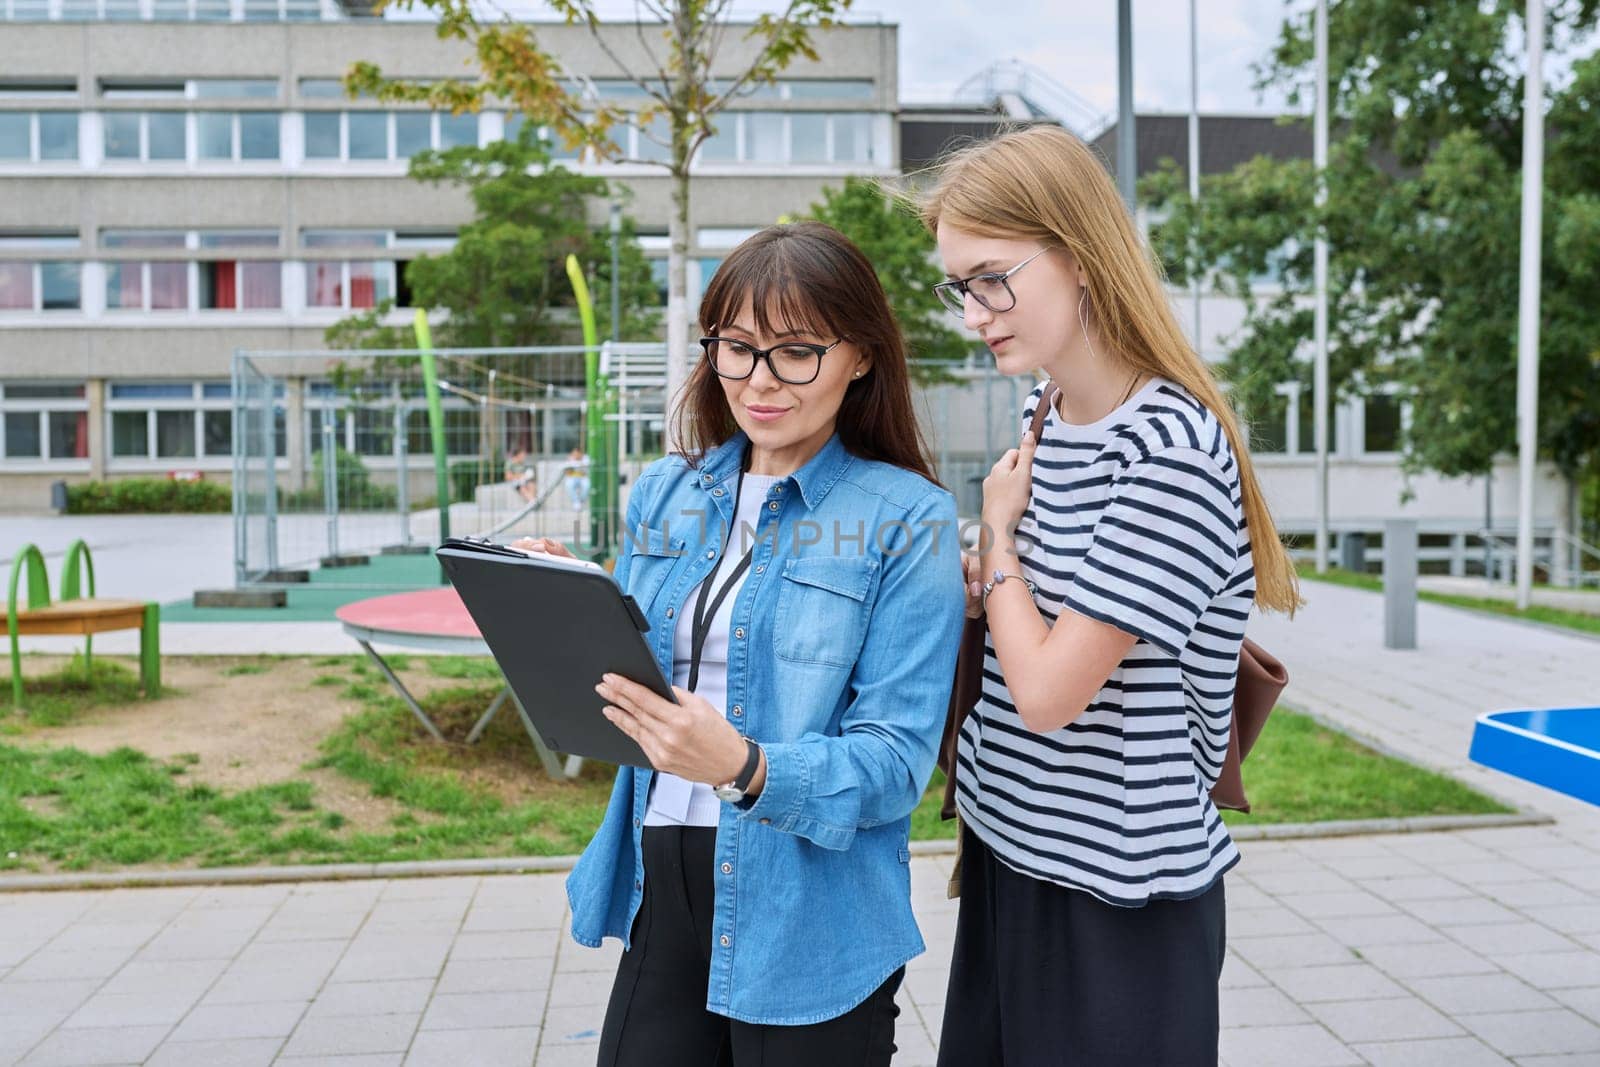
(700, 622)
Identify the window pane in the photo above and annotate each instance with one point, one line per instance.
(236, 88)
(22, 434)
(175, 434)
(58, 135)
(830, 90)
(152, 391)
(238, 238)
(129, 434)
(219, 433)
(369, 135)
(413, 133)
(458, 130)
(852, 138)
(722, 146)
(258, 135)
(217, 390)
(17, 391)
(323, 289)
(141, 238)
(1382, 424)
(69, 434)
(322, 88)
(513, 125)
(122, 134)
(369, 283)
(809, 141)
(655, 140)
(124, 285)
(763, 137)
(16, 286)
(14, 135)
(261, 284)
(167, 136)
(58, 285)
(214, 131)
(322, 135)
(374, 431)
(169, 286)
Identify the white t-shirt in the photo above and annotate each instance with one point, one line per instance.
(673, 800)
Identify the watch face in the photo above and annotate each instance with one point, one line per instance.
(730, 793)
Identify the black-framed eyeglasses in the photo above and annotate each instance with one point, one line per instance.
(793, 362)
(989, 289)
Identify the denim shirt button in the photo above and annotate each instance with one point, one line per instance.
(711, 554)
(727, 868)
(638, 885)
(739, 633)
(724, 940)
(761, 568)
(738, 710)
(716, 492)
(766, 822)
(671, 612)
(772, 506)
(636, 824)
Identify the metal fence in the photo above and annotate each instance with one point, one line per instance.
(333, 459)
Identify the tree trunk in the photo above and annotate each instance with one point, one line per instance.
(677, 295)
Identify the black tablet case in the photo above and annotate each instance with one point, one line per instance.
(554, 629)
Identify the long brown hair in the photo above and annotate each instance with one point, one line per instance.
(1042, 183)
(813, 278)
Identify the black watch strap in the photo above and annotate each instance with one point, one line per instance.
(752, 760)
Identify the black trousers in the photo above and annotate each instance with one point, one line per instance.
(657, 1015)
(1044, 976)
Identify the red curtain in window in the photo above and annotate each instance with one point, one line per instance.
(363, 286)
(227, 289)
(80, 437)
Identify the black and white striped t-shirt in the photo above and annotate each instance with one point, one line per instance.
(1135, 521)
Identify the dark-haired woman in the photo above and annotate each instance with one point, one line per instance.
(801, 574)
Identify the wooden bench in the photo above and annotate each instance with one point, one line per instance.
(77, 615)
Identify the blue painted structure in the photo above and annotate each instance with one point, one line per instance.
(1558, 748)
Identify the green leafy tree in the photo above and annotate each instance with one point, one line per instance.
(504, 283)
(1423, 222)
(683, 76)
(902, 251)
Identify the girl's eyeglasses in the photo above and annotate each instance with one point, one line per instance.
(989, 289)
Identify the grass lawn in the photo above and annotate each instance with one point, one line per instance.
(1572, 620)
(66, 809)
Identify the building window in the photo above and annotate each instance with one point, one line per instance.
(155, 286)
(147, 136)
(235, 136)
(46, 286)
(170, 420)
(44, 421)
(384, 135)
(240, 284)
(349, 285)
(1381, 423)
(38, 136)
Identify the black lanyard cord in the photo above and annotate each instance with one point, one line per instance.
(700, 622)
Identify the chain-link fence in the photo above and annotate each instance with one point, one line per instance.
(334, 459)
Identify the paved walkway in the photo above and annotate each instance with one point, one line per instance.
(1464, 948)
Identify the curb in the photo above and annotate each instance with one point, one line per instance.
(345, 872)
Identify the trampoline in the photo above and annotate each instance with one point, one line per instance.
(1558, 748)
(435, 620)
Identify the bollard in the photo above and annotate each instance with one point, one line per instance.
(1353, 552)
(1400, 584)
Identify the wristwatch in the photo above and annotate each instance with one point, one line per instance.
(733, 792)
(1000, 577)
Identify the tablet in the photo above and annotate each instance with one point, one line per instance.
(555, 625)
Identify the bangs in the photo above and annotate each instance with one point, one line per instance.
(780, 288)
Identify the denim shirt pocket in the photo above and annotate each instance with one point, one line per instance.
(822, 609)
(654, 557)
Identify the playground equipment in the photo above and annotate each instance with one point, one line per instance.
(435, 620)
(77, 614)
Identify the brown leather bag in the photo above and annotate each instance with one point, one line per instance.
(1255, 693)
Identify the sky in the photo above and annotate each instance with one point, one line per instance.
(1073, 42)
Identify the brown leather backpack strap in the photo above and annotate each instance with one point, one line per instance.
(1042, 412)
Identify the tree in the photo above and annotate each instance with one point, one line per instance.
(504, 282)
(684, 95)
(901, 250)
(1422, 219)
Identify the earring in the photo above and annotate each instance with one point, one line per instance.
(1083, 293)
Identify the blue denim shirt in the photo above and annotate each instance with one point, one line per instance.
(842, 647)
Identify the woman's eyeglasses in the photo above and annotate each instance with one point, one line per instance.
(990, 290)
(793, 362)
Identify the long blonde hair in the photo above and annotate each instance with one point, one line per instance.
(1043, 183)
